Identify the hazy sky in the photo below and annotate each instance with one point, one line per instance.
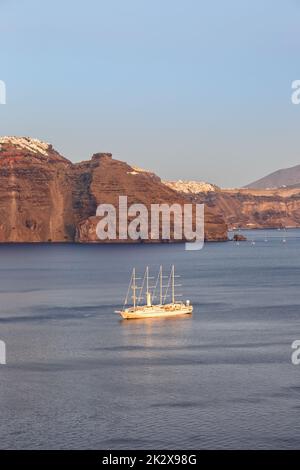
(190, 89)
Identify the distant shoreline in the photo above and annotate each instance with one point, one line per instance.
(135, 243)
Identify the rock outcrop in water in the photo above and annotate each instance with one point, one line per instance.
(45, 197)
(238, 237)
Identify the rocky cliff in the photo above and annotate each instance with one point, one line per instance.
(247, 208)
(44, 197)
(35, 202)
(109, 179)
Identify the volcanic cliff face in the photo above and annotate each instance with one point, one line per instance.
(44, 197)
(110, 179)
(35, 203)
(248, 208)
(260, 208)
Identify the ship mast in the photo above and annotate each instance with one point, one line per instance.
(173, 284)
(161, 286)
(134, 288)
(147, 280)
(148, 294)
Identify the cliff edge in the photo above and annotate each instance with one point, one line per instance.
(46, 198)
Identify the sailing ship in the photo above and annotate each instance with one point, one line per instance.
(162, 308)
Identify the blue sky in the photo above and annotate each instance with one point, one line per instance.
(189, 89)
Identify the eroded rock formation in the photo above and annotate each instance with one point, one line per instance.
(248, 208)
(44, 197)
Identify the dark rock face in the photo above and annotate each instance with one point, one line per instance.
(44, 197)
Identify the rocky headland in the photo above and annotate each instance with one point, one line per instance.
(46, 198)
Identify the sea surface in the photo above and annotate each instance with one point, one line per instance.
(79, 377)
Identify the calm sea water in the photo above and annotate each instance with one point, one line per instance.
(79, 377)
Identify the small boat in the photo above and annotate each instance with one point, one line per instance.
(162, 309)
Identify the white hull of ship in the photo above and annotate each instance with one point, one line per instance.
(156, 311)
